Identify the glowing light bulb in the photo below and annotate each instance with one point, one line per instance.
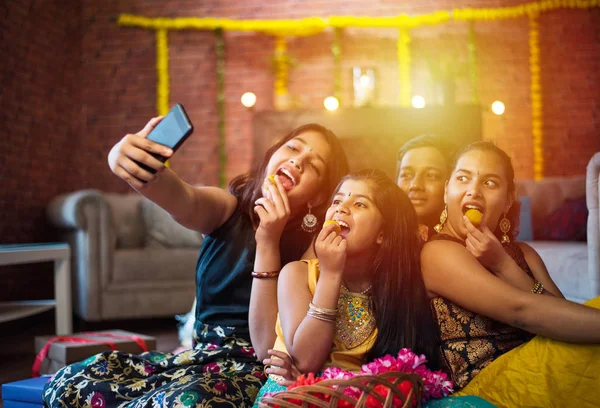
(364, 80)
(248, 99)
(331, 103)
(418, 102)
(498, 108)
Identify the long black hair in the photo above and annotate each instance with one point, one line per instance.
(401, 306)
(514, 212)
(247, 189)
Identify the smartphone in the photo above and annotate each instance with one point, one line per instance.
(172, 131)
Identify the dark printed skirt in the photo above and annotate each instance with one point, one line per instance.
(221, 371)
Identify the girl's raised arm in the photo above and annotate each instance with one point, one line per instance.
(450, 271)
(273, 212)
(203, 209)
(307, 337)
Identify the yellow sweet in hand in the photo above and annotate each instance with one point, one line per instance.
(272, 179)
(337, 229)
(474, 216)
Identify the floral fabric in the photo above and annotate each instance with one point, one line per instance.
(221, 371)
(270, 387)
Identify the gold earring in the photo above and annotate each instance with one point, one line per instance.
(443, 218)
(504, 227)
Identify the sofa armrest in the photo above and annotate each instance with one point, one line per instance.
(593, 225)
(84, 220)
(66, 211)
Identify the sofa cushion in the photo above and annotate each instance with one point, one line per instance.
(567, 264)
(163, 231)
(567, 223)
(162, 264)
(548, 195)
(127, 222)
(525, 224)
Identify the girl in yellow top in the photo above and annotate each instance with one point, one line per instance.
(364, 296)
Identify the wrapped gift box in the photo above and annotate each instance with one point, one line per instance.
(24, 393)
(62, 353)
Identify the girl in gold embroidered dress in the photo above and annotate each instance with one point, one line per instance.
(363, 297)
(491, 295)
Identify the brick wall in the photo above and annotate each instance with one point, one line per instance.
(73, 83)
(40, 99)
(39, 121)
(119, 93)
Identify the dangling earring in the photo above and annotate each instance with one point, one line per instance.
(309, 222)
(504, 227)
(443, 218)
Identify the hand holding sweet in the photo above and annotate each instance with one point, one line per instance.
(331, 250)
(483, 244)
(273, 211)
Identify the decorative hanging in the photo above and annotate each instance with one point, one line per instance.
(336, 51)
(162, 72)
(403, 45)
(536, 97)
(472, 48)
(315, 25)
(281, 63)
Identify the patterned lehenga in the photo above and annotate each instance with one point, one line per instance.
(469, 341)
(510, 367)
(220, 371)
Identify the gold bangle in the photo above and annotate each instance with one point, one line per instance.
(319, 316)
(538, 288)
(324, 310)
(321, 313)
(265, 275)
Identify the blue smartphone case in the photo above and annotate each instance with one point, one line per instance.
(172, 131)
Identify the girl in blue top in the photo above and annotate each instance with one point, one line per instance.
(253, 229)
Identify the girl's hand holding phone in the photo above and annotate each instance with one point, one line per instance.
(331, 250)
(125, 157)
(273, 210)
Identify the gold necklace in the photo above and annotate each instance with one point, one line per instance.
(364, 292)
(355, 320)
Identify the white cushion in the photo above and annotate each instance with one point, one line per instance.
(567, 263)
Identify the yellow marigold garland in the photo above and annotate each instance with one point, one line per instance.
(336, 52)
(403, 45)
(282, 66)
(536, 97)
(162, 72)
(314, 25)
(401, 20)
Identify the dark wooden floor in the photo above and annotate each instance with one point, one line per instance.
(17, 339)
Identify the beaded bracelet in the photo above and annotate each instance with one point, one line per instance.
(265, 275)
(538, 288)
